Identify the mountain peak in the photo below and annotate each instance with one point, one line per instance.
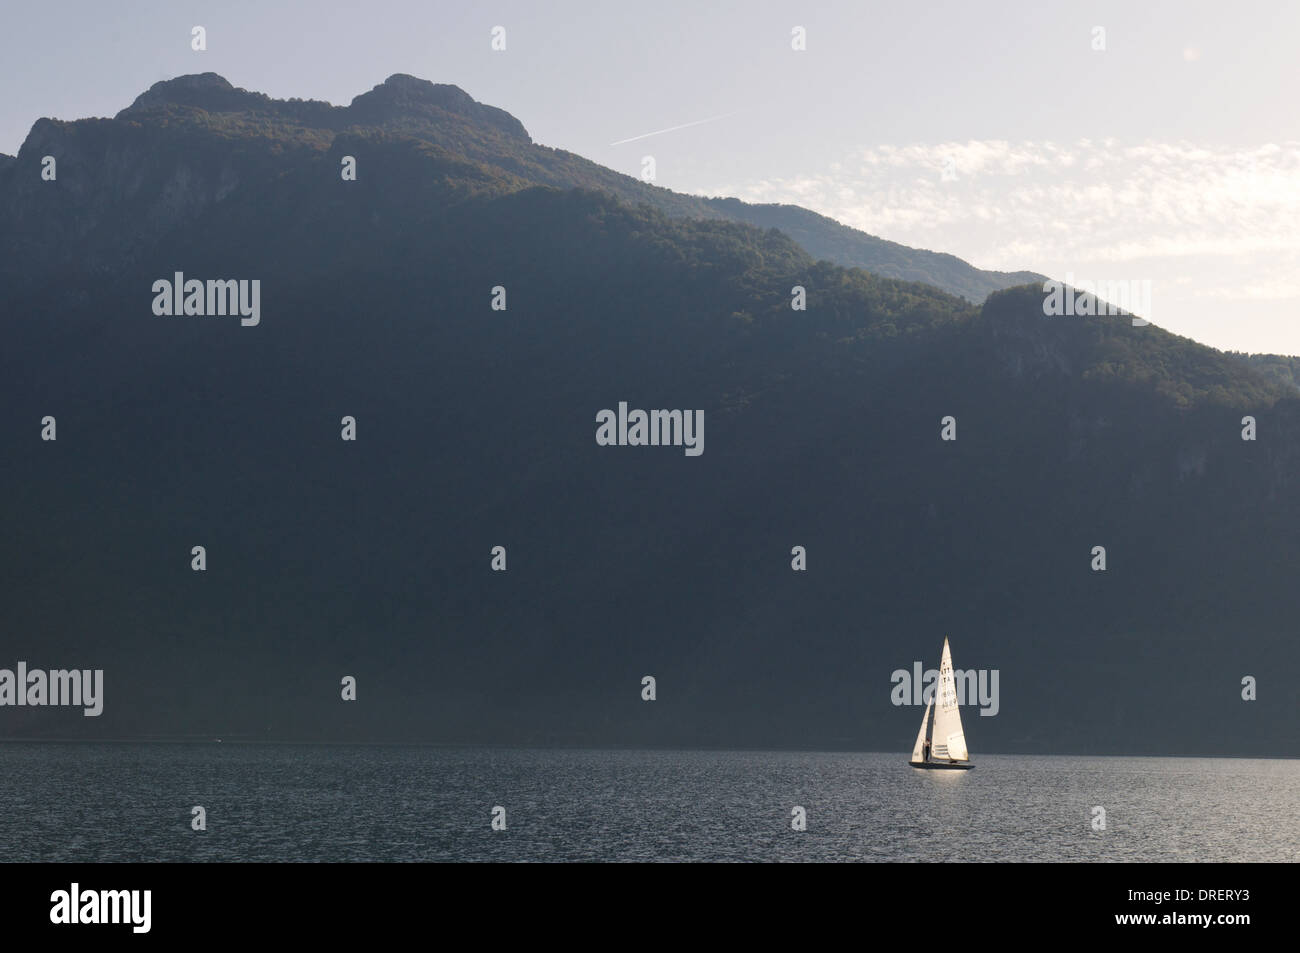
(193, 81)
(492, 140)
(209, 91)
(402, 96)
(413, 84)
(397, 99)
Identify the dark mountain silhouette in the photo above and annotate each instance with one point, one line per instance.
(476, 428)
(448, 117)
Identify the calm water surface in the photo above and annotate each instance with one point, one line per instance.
(120, 802)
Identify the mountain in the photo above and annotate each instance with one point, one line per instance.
(827, 239)
(477, 428)
(447, 117)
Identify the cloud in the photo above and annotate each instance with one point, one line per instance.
(1010, 204)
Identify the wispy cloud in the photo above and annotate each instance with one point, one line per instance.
(1008, 204)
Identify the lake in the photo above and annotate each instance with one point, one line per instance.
(133, 802)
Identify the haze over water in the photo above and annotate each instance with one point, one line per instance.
(132, 802)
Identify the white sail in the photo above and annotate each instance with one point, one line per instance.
(949, 741)
(917, 752)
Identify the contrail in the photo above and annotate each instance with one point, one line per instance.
(685, 125)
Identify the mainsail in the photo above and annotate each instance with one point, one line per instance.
(917, 753)
(949, 741)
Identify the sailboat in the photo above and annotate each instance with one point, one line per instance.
(946, 746)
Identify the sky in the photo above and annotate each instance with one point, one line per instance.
(1164, 148)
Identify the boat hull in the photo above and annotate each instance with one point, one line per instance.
(943, 765)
